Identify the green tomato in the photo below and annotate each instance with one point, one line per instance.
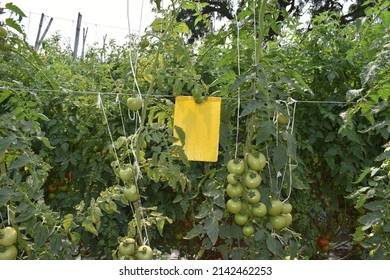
(252, 196)
(263, 161)
(5, 46)
(259, 210)
(234, 190)
(8, 253)
(8, 236)
(236, 167)
(131, 193)
(234, 206)
(287, 208)
(241, 219)
(232, 179)
(276, 208)
(252, 180)
(282, 119)
(288, 219)
(127, 247)
(277, 222)
(248, 230)
(134, 103)
(253, 162)
(3, 32)
(144, 252)
(126, 175)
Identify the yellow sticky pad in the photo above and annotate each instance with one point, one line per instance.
(200, 122)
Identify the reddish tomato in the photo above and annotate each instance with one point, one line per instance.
(68, 175)
(187, 225)
(322, 242)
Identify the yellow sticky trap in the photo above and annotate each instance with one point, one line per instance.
(200, 122)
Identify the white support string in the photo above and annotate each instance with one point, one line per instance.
(238, 90)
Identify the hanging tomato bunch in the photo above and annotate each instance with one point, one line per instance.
(244, 181)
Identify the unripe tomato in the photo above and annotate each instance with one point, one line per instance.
(236, 167)
(248, 230)
(3, 32)
(8, 236)
(253, 162)
(126, 175)
(241, 219)
(234, 206)
(259, 210)
(287, 207)
(234, 190)
(252, 180)
(131, 193)
(288, 219)
(252, 196)
(127, 247)
(277, 222)
(134, 103)
(144, 252)
(8, 253)
(282, 119)
(263, 161)
(276, 208)
(232, 179)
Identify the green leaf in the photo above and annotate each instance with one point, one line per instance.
(41, 234)
(267, 129)
(67, 222)
(6, 142)
(251, 107)
(194, 232)
(15, 9)
(45, 141)
(275, 247)
(181, 134)
(280, 157)
(211, 228)
(19, 162)
(359, 235)
(371, 218)
(376, 205)
(159, 24)
(13, 24)
(181, 27)
(383, 156)
(364, 173)
(4, 95)
(88, 226)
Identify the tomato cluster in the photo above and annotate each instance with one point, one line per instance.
(127, 250)
(8, 237)
(5, 46)
(245, 201)
(323, 242)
